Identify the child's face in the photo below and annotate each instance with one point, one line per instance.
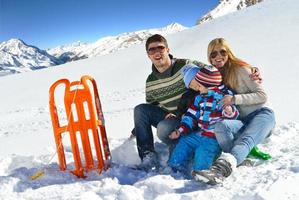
(196, 86)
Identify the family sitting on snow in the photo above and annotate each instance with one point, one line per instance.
(200, 110)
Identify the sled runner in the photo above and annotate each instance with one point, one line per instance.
(84, 114)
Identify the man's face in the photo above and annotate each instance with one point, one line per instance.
(158, 53)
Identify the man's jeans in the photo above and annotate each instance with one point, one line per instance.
(239, 137)
(145, 116)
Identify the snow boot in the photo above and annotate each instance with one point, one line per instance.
(220, 169)
(256, 153)
(149, 162)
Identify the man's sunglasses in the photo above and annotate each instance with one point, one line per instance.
(214, 54)
(153, 50)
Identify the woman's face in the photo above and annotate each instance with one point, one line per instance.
(219, 56)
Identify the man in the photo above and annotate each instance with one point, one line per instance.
(164, 88)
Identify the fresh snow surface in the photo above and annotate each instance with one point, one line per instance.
(264, 35)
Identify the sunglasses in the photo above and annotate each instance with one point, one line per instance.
(153, 50)
(214, 54)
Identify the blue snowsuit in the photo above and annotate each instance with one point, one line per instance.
(197, 131)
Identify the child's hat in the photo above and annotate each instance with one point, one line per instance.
(209, 76)
(189, 72)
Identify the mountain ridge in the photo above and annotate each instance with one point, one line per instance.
(17, 56)
(225, 7)
(110, 44)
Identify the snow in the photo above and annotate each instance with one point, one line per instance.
(260, 35)
(18, 57)
(226, 7)
(111, 44)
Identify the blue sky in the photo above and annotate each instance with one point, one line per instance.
(49, 23)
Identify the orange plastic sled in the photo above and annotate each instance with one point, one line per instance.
(74, 101)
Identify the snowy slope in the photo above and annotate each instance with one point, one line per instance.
(26, 138)
(225, 7)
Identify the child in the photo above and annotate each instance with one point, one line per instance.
(196, 130)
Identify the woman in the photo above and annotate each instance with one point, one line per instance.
(237, 137)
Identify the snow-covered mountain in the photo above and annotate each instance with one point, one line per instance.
(17, 56)
(106, 45)
(225, 7)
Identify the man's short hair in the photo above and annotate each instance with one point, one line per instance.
(155, 38)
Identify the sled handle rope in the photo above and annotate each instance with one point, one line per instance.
(41, 172)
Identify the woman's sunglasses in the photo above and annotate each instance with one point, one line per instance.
(153, 50)
(214, 54)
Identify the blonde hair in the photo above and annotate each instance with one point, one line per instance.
(229, 70)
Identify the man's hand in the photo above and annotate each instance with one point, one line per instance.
(174, 135)
(256, 75)
(170, 115)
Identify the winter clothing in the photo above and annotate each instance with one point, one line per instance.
(165, 127)
(149, 162)
(209, 76)
(239, 137)
(197, 130)
(250, 95)
(145, 116)
(256, 153)
(256, 120)
(165, 89)
(163, 92)
(221, 168)
(185, 101)
(189, 72)
(205, 112)
(203, 149)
